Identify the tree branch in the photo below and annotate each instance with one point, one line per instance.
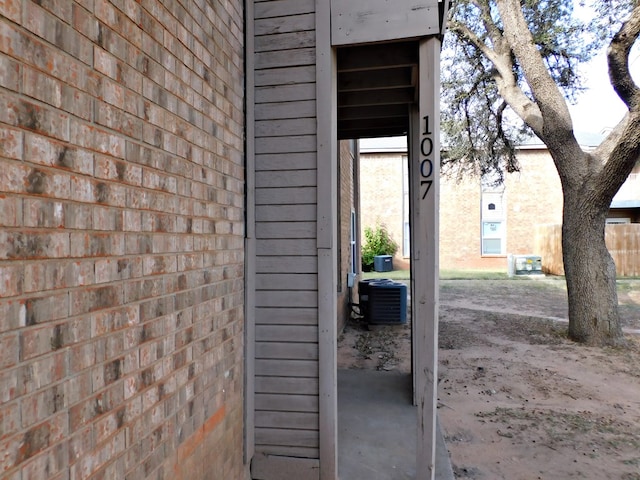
(490, 27)
(623, 144)
(618, 59)
(605, 148)
(509, 90)
(553, 107)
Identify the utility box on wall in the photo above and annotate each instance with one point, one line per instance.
(524, 265)
(383, 263)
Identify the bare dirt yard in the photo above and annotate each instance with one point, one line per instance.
(517, 399)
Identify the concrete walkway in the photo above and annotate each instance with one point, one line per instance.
(377, 428)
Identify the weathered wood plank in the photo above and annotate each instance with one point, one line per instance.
(287, 385)
(286, 247)
(285, 76)
(273, 230)
(281, 8)
(279, 467)
(623, 243)
(301, 264)
(287, 333)
(285, 127)
(286, 110)
(284, 161)
(286, 93)
(291, 143)
(286, 282)
(286, 351)
(285, 58)
(287, 368)
(297, 420)
(267, 213)
(274, 298)
(424, 256)
(248, 436)
(327, 147)
(294, 23)
(379, 20)
(282, 436)
(286, 178)
(289, 452)
(285, 41)
(285, 196)
(286, 316)
(287, 403)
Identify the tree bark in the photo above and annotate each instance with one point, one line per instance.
(590, 273)
(589, 268)
(589, 179)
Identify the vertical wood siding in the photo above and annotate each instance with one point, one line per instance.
(286, 299)
(623, 242)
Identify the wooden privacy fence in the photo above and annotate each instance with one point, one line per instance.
(623, 242)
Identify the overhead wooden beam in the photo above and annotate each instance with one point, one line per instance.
(375, 57)
(443, 12)
(382, 79)
(378, 123)
(376, 111)
(376, 97)
(371, 133)
(367, 21)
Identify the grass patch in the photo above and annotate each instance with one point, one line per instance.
(474, 275)
(393, 275)
(444, 275)
(625, 284)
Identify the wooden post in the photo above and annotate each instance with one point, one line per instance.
(424, 194)
(250, 246)
(327, 188)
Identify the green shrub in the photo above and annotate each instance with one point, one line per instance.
(376, 242)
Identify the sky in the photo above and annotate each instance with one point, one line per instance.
(599, 107)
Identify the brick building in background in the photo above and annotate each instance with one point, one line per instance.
(480, 224)
(348, 227)
(121, 247)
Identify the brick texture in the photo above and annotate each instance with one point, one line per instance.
(121, 239)
(348, 202)
(381, 177)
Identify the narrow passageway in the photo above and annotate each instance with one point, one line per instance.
(377, 421)
(377, 428)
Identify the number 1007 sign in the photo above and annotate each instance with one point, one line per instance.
(426, 159)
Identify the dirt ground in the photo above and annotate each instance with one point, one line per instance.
(517, 400)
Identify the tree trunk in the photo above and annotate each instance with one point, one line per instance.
(590, 273)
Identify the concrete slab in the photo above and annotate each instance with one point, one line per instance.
(377, 428)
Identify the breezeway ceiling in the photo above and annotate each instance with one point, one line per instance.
(376, 85)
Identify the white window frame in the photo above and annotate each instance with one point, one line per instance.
(488, 216)
(353, 269)
(498, 236)
(406, 233)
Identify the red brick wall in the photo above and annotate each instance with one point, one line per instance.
(533, 197)
(381, 177)
(347, 204)
(121, 240)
